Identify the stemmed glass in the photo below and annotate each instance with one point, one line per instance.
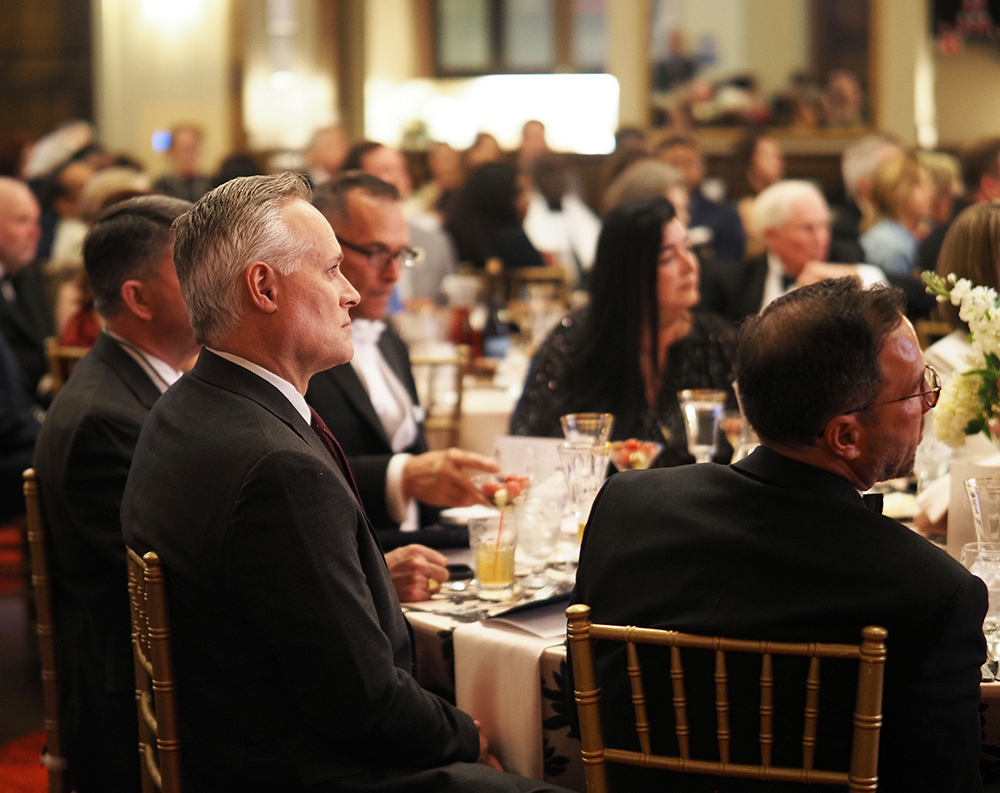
(593, 427)
(585, 465)
(539, 521)
(702, 409)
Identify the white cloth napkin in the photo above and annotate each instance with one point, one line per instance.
(497, 682)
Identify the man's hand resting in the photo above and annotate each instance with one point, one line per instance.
(417, 572)
(441, 479)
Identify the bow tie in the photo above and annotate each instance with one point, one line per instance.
(787, 282)
(366, 332)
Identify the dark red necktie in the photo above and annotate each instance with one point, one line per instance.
(332, 446)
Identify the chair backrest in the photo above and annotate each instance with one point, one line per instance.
(62, 359)
(440, 381)
(863, 773)
(53, 758)
(155, 689)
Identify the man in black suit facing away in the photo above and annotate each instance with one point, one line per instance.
(782, 546)
(371, 404)
(25, 317)
(291, 653)
(82, 459)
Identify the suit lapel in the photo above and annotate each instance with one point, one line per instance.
(752, 293)
(347, 380)
(109, 351)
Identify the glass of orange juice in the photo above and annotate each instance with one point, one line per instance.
(493, 539)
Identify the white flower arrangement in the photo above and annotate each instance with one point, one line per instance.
(970, 401)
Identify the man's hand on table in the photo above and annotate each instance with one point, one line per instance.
(485, 758)
(417, 572)
(441, 478)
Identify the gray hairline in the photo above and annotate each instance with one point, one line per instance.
(277, 246)
(775, 205)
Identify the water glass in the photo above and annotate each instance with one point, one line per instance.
(585, 465)
(539, 520)
(702, 409)
(593, 427)
(983, 559)
(493, 539)
(984, 497)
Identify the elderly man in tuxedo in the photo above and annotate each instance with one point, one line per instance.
(82, 459)
(291, 653)
(25, 317)
(782, 546)
(795, 220)
(371, 404)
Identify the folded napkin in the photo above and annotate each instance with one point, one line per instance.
(497, 682)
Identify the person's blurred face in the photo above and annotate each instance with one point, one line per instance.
(373, 224)
(389, 165)
(19, 229)
(803, 238)
(184, 150)
(767, 165)
(677, 271)
(688, 161)
(314, 301)
(919, 203)
(329, 149)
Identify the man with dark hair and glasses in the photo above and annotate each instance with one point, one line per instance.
(782, 546)
(371, 403)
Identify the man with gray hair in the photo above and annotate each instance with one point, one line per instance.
(795, 220)
(291, 653)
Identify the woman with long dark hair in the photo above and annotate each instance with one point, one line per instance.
(637, 343)
(486, 218)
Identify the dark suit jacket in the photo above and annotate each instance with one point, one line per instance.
(728, 239)
(18, 430)
(27, 322)
(291, 652)
(770, 548)
(733, 289)
(340, 398)
(82, 459)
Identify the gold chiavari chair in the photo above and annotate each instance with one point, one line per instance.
(440, 381)
(155, 688)
(863, 773)
(53, 758)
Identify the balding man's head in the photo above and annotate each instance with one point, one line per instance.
(19, 229)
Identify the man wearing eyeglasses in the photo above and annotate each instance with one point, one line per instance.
(371, 404)
(782, 546)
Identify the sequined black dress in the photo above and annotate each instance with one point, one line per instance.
(705, 358)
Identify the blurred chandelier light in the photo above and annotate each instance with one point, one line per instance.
(172, 15)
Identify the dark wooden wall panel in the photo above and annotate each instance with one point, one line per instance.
(45, 64)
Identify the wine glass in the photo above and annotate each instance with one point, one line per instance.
(593, 427)
(702, 409)
(585, 465)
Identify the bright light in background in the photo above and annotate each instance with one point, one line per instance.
(172, 16)
(580, 111)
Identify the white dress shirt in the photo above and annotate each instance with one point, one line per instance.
(775, 288)
(395, 410)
